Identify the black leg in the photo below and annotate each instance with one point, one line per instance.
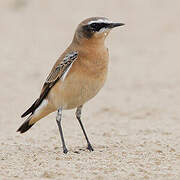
(78, 115)
(58, 120)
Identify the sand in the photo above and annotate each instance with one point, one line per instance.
(133, 123)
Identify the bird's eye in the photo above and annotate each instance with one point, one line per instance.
(98, 26)
(90, 29)
(94, 25)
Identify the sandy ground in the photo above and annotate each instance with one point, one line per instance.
(133, 123)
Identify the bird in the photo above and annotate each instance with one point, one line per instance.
(76, 77)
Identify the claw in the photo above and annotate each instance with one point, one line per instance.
(65, 151)
(90, 148)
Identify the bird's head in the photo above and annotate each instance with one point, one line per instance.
(95, 28)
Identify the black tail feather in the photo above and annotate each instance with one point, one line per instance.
(30, 110)
(47, 87)
(25, 126)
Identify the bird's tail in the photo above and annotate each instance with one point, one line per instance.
(43, 110)
(26, 125)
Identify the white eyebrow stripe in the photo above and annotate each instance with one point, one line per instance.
(100, 21)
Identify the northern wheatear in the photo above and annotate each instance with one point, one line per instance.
(76, 77)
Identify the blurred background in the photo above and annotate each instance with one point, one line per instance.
(134, 120)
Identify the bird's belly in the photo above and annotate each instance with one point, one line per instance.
(75, 91)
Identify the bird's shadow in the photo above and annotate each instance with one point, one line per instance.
(85, 149)
(80, 150)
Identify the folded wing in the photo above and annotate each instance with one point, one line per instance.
(58, 72)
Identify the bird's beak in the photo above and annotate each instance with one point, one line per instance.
(113, 25)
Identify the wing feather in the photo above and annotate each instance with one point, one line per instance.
(58, 72)
(61, 68)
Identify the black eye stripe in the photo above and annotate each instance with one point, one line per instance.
(98, 26)
(89, 29)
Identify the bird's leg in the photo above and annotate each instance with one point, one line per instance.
(58, 120)
(78, 115)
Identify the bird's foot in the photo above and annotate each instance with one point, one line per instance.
(90, 148)
(65, 151)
